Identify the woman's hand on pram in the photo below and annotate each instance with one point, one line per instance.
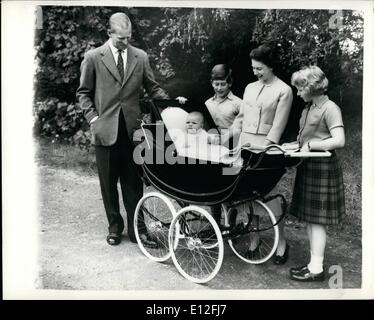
(214, 139)
(181, 100)
(225, 137)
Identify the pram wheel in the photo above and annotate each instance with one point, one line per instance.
(152, 219)
(254, 236)
(196, 244)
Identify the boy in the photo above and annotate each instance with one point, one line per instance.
(224, 106)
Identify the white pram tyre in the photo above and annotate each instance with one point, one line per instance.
(153, 216)
(255, 236)
(196, 244)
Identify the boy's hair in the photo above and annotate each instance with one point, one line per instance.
(221, 72)
(312, 78)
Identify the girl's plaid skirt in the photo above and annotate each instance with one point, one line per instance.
(318, 195)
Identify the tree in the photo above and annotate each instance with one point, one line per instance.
(305, 37)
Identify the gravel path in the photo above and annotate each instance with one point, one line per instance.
(75, 256)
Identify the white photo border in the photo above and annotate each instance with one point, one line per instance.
(20, 179)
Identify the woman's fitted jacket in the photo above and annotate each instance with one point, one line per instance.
(265, 109)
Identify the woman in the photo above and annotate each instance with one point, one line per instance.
(318, 196)
(262, 119)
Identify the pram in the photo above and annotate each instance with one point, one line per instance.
(174, 220)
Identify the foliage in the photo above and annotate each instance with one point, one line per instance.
(302, 38)
(67, 33)
(62, 121)
(191, 40)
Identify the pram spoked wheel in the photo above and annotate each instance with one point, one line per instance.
(152, 219)
(196, 244)
(255, 235)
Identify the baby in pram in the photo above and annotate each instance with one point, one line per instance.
(196, 135)
(193, 141)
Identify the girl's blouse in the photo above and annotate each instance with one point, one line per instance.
(224, 112)
(265, 109)
(317, 121)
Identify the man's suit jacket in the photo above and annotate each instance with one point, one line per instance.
(102, 94)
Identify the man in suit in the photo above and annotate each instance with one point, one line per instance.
(111, 80)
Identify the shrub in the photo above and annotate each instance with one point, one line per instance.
(61, 121)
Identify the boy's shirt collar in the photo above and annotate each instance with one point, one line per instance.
(228, 96)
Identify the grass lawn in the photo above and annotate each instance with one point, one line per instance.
(65, 156)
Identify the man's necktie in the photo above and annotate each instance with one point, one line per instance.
(120, 65)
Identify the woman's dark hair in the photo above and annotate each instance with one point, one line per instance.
(264, 54)
(221, 72)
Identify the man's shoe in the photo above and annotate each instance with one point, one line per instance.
(113, 239)
(304, 275)
(279, 260)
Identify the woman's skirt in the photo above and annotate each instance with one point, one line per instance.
(318, 195)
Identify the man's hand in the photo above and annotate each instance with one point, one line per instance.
(181, 100)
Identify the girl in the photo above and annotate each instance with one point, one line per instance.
(318, 196)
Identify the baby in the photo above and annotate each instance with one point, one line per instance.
(195, 122)
(195, 131)
(194, 140)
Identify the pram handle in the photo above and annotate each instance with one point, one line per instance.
(173, 102)
(269, 147)
(287, 153)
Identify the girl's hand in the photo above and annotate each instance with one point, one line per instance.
(305, 148)
(291, 146)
